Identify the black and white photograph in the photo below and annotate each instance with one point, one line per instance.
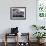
(18, 13)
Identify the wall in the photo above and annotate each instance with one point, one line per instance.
(24, 25)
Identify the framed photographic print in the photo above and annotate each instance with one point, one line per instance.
(18, 13)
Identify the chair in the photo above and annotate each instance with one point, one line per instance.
(7, 35)
(24, 36)
(14, 32)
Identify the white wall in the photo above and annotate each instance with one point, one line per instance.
(24, 25)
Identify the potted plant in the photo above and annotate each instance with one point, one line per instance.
(39, 35)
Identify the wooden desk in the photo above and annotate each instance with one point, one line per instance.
(8, 34)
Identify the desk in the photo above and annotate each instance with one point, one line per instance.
(8, 34)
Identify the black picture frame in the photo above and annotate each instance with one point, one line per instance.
(17, 13)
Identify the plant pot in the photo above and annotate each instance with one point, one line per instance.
(40, 41)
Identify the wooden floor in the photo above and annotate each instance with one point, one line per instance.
(13, 44)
